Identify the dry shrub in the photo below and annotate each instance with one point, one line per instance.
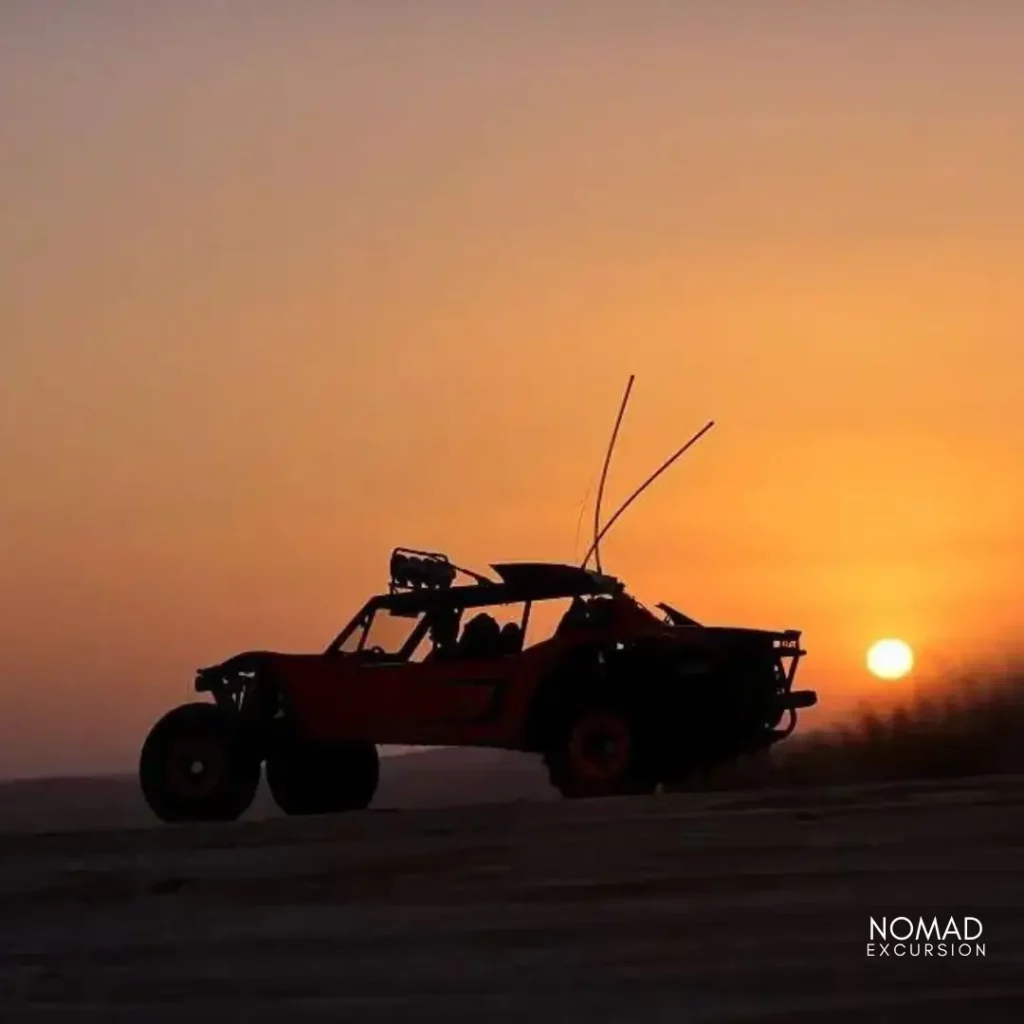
(970, 724)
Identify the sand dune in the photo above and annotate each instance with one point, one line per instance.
(719, 906)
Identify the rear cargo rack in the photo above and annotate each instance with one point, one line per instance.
(788, 642)
(787, 646)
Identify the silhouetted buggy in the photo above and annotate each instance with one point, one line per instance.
(617, 700)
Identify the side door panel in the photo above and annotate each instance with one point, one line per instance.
(339, 697)
(460, 699)
(482, 701)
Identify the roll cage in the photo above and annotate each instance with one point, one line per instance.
(518, 583)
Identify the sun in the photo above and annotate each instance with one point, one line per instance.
(890, 659)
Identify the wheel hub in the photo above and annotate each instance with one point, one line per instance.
(195, 767)
(600, 747)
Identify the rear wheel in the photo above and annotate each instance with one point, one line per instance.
(601, 755)
(195, 766)
(323, 778)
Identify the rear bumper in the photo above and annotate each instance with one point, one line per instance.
(795, 699)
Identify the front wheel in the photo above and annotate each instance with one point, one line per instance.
(195, 766)
(323, 778)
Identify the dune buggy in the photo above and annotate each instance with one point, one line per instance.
(617, 700)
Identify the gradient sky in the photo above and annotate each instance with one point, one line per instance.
(284, 285)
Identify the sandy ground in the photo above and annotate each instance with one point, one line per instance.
(669, 908)
(431, 778)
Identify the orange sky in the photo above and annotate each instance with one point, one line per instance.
(278, 292)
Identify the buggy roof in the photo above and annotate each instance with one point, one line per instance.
(519, 581)
(544, 576)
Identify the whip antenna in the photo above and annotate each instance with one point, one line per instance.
(579, 524)
(647, 483)
(596, 547)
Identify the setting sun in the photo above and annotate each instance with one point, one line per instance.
(890, 659)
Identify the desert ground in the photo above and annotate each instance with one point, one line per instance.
(740, 906)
